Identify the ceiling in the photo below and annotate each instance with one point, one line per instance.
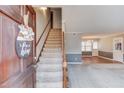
(93, 20)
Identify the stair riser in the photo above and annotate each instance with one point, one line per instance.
(49, 69)
(52, 34)
(49, 75)
(52, 46)
(49, 85)
(51, 55)
(51, 50)
(49, 66)
(55, 33)
(53, 41)
(57, 79)
(51, 61)
(54, 37)
(54, 53)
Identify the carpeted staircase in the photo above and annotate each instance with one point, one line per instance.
(49, 70)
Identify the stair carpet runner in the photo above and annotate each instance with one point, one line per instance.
(49, 70)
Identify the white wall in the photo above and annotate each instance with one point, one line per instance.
(73, 43)
(57, 18)
(42, 17)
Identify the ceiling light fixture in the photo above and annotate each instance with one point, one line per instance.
(43, 8)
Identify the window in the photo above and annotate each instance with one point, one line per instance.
(88, 45)
(95, 45)
(83, 46)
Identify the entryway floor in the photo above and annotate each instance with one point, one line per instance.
(96, 75)
(102, 75)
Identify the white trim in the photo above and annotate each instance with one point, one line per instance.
(75, 62)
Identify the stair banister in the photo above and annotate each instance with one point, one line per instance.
(49, 21)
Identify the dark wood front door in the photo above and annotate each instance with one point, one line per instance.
(15, 71)
(51, 19)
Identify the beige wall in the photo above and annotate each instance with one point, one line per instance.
(105, 44)
(42, 17)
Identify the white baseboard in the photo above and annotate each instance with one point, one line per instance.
(75, 62)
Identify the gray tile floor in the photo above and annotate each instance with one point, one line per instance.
(96, 75)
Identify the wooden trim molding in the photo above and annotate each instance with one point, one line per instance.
(65, 70)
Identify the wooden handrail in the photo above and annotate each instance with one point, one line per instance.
(65, 76)
(43, 31)
(45, 39)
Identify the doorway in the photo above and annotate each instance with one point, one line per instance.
(118, 49)
(51, 15)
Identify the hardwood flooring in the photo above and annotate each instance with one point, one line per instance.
(98, 60)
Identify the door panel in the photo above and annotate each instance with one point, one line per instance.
(118, 49)
(11, 73)
(15, 11)
(10, 61)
